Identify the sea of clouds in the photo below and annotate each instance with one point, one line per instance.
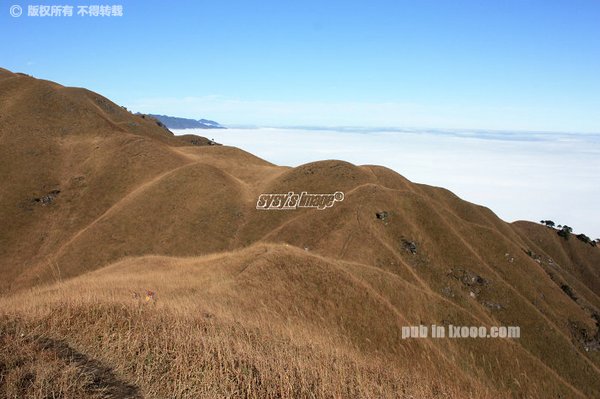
(520, 176)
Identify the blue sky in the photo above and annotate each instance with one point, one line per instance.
(514, 65)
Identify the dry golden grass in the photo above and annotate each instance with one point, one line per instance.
(177, 347)
(152, 274)
(217, 328)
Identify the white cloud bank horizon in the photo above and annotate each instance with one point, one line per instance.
(424, 115)
(519, 176)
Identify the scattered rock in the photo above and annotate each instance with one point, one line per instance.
(383, 215)
(473, 282)
(468, 278)
(410, 246)
(48, 198)
(581, 335)
(493, 305)
(531, 254)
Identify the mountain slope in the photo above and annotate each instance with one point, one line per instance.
(103, 204)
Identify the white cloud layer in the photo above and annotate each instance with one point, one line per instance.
(352, 113)
(520, 176)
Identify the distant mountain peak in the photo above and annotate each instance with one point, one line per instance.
(173, 122)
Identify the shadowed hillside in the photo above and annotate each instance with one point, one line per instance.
(102, 204)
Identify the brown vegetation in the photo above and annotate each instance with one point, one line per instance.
(103, 205)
